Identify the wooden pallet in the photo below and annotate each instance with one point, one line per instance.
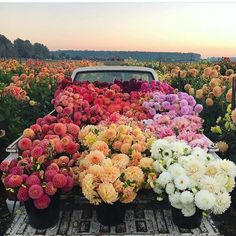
(140, 219)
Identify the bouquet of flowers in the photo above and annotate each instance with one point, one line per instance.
(49, 138)
(30, 178)
(116, 162)
(192, 178)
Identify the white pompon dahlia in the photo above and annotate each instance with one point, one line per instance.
(174, 200)
(170, 188)
(164, 178)
(188, 210)
(222, 203)
(176, 170)
(228, 167)
(182, 182)
(205, 200)
(157, 146)
(186, 197)
(199, 153)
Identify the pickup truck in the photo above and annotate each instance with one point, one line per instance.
(143, 216)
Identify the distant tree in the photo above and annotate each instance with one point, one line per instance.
(24, 48)
(6, 47)
(40, 51)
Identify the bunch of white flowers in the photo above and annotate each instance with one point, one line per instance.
(192, 178)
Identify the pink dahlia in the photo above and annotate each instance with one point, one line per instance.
(16, 170)
(49, 174)
(15, 181)
(71, 148)
(32, 180)
(22, 194)
(24, 144)
(60, 129)
(4, 166)
(42, 202)
(50, 189)
(37, 151)
(69, 185)
(35, 191)
(53, 166)
(59, 180)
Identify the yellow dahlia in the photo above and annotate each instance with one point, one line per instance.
(146, 162)
(120, 160)
(101, 146)
(134, 173)
(107, 193)
(109, 174)
(95, 157)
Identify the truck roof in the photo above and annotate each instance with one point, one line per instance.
(114, 68)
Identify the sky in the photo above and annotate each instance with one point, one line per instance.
(205, 28)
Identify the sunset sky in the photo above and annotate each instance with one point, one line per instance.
(205, 28)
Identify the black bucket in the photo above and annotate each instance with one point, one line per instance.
(190, 222)
(44, 218)
(111, 214)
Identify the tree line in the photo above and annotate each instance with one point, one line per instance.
(22, 49)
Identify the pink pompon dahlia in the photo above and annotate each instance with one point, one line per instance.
(16, 170)
(49, 174)
(53, 166)
(22, 194)
(35, 191)
(72, 148)
(37, 151)
(73, 129)
(32, 180)
(24, 144)
(59, 180)
(69, 185)
(50, 189)
(60, 129)
(4, 166)
(42, 202)
(15, 181)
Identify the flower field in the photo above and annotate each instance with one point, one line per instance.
(26, 90)
(114, 139)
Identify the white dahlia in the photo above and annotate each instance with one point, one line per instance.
(205, 200)
(170, 188)
(188, 210)
(182, 182)
(222, 203)
(175, 201)
(209, 183)
(176, 170)
(157, 147)
(164, 178)
(186, 197)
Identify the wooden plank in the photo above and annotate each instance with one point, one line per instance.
(64, 224)
(161, 224)
(206, 224)
(95, 225)
(22, 226)
(18, 220)
(151, 223)
(129, 220)
(74, 222)
(53, 231)
(215, 228)
(173, 229)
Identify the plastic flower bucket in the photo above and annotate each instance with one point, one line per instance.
(110, 214)
(44, 218)
(191, 222)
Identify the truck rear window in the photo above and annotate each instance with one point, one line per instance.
(111, 76)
